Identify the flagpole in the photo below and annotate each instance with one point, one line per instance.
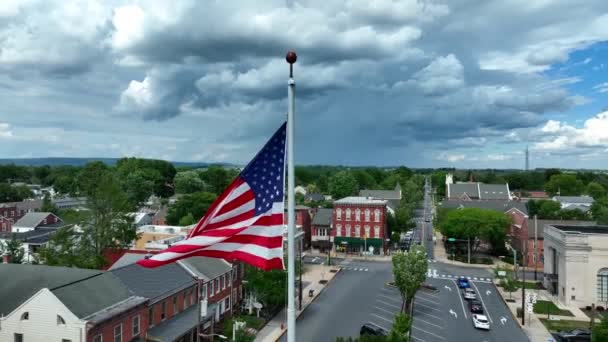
(291, 251)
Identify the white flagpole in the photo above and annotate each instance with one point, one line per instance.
(291, 243)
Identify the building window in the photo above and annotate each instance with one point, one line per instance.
(118, 333)
(377, 231)
(175, 306)
(223, 281)
(338, 214)
(347, 230)
(602, 285)
(163, 311)
(204, 296)
(367, 215)
(366, 231)
(18, 337)
(228, 302)
(151, 316)
(3, 226)
(377, 215)
(358, 231)
(186, 296)
(338, 230)
(211, 288)
(217, 285)
(98, 338)
(60, 320)
(12, 213)
(25, 316)
(357, 214)
(347, 214)
(65, 340)
(192, 296)
(136, 325)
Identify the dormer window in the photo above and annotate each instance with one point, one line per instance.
(60, 320)
(25, 316)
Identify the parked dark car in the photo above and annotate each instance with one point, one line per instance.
(476, 307)
(370, 329)
(576, 335)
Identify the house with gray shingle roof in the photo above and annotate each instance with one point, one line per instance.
(582, 203)
(472, 191)
(70, 303)
(393, 197)
(36, 220)
(321, 229)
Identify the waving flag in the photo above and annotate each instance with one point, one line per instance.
(246, 221)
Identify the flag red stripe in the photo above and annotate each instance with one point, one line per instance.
(227, 222)
(235, 184)
(268, 220)
(263, 241)
(261, 263)
(237, 202)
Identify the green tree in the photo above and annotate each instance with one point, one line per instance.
(14, 248)
(600, 331)
(409, 270)
(343, 184)
(217, 178)
(63, 250)
(509, 285)
(47, 205)
(195, 204)
(565, 185)
(438, 181)
(243, 336)
(596, 190)
(364, 179)
(9, 193)
(599, 210)
(139, 186)
(90, 176)
(472, 223)
(401, 328)
(188, 182)
(268, 287)
(187, 220)
(549, 210)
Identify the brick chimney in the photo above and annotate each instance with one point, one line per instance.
(6, 258)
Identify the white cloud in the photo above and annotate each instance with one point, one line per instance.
(602, 87)
(563, 138)
(5, 130)
(441, 75)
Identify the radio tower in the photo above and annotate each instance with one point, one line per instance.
(527, 159)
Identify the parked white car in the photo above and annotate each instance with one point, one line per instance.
(481, 322)
(469, 293)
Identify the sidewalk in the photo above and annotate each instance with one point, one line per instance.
(353, 256)
(277, 326)
(534, 328)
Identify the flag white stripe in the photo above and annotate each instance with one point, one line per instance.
(234, 212)
(263, 231)
(241, 189)
(259, 251)
(277, 208)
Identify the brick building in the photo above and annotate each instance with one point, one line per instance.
(359, 222)
(303, 222)
(5, 224)
(321, 229)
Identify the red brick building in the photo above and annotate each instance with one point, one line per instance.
(359, 222)
(5, 224)
(303, 219)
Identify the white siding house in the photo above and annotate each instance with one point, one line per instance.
(42, 318)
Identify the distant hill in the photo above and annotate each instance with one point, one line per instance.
(82, 161)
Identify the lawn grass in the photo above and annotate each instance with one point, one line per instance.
(251, 322)
(563, 325)
(542, 306)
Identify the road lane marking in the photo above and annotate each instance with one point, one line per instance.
(426, 322)
(417, 339)
(428, 314)
(461, 302)
(388, 312)
(389, 298)
(485, 308)
(428, 332)
(379, 326)
(382, 318)
(427, 300)
(391, 305)
(428, 307)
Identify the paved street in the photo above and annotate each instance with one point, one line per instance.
(356, 296)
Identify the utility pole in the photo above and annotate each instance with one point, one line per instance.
(469, 249)
(523, 288)
(535, 248)
(300, 299)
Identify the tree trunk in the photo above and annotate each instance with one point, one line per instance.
(403, 304)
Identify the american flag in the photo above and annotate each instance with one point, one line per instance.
(246, 221)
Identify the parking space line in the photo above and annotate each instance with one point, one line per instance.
(391, 305)
(379, 326)
(388, 312)
(417, 339)
(428, 314)
(460, 297)
(428, 332)
(427, 294)
(426, 322)
(389, 290)
(389, 298)
(428, 307)
(485, 308)
(382, 318)
(427, 300)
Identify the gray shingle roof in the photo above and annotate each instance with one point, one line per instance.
(39, 235)
(323, 217)
(88, 296)
(205, 268)
(574, 199)
(457, 190)
(493, 191)
(127, 259)
(314, 197)
(26, 205)
(20, 282)
(154, 283)
(177, 326)
(381, 194)
(497, 205)
(581, 207)
(32, 220)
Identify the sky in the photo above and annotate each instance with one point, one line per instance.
(459, 83)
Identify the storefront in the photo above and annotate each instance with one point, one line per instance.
(357, 245)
